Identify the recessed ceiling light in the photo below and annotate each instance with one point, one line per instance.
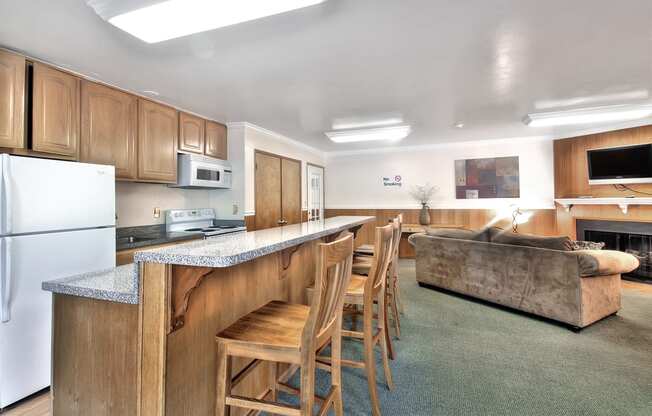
(459, 125)
(176, 18)
(365, 135)
(151, 92)
(589, 115)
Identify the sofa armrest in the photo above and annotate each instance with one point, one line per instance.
(605, 262)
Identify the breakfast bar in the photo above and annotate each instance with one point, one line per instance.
(140, 339)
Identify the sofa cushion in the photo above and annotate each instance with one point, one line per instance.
(605, 262)
(458, 233)
(551, 243)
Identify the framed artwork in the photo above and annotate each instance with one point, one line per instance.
(496, 177)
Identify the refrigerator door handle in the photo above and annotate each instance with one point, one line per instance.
(5, 280)
(6, 221)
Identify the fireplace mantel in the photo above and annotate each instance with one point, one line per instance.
(622, 203)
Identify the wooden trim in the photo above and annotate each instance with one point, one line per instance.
(154, 320)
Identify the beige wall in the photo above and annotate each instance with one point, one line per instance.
(135, 202)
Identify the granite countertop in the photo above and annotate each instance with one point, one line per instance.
(230, 250)
(119, 284)
(149, 235)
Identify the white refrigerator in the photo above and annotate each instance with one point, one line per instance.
(57, 219)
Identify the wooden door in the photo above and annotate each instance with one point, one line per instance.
(268, 190)
(291, 191)
(158, 129)
(55, 113)
(216, 141)
(191, 133)
(12, 100)
(108, 128)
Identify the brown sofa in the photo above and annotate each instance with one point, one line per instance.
(574, 287)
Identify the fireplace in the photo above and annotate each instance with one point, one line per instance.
(631, 237)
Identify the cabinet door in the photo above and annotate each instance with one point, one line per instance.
(216, 144)
(109, 128)
(191, 133)
(268, 190)
(158, 128)
(12, 100)
(291, 191)
(55, 112)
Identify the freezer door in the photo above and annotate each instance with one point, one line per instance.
(41, 195)
(25, 337)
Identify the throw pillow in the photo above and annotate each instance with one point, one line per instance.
(586, 245)
(551, 243)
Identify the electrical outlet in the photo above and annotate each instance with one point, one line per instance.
(235, 209)
(157, 212)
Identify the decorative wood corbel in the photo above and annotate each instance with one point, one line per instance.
(286, 257)
(185, 280)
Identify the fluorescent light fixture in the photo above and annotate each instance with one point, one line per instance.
(345, 124)
(366, 135)
(589, 115)
(176, 18)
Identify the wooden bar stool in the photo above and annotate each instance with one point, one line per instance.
(362, 265)
(290, 333)
(366, 291)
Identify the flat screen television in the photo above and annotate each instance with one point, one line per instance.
(620, 165)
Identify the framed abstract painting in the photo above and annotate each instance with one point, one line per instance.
(496, 177)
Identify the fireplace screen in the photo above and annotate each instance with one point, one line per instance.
(636, 244)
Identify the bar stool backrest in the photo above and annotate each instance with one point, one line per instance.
(382, 258)
(334, 264)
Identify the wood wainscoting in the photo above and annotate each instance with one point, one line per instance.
(571, 166)
(572, 179)
(543, 222)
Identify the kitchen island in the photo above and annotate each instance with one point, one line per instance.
(140, 339)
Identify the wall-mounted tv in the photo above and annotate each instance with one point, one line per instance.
(620, 165)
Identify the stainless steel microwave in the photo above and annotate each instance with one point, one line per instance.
(197, 171)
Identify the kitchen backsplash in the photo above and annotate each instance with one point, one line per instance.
(135, 202)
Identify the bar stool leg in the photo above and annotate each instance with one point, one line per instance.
(382, 326)
(385, 322)
(397, 317)
(223, 381)
(307, 383)
(336, 368)
(273, 379)
(369, 358)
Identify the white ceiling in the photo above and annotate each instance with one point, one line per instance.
(435, 62)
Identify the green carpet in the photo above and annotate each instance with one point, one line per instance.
(457, 356)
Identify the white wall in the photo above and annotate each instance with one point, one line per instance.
(229, 203)
(354, 180)
(257, 138)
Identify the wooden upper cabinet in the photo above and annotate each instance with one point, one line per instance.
(191, 133)
(216, 144)
(108, 128)
(158, 128)
(12, 100)
(55, 112)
